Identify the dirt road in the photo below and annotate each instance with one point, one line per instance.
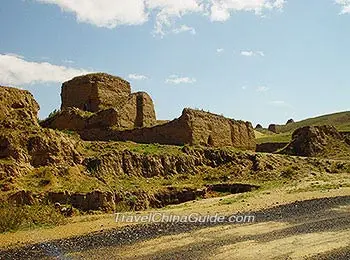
(312, 229)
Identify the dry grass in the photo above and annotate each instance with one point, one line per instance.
(13, 218)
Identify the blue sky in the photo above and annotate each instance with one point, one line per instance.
(259, 60)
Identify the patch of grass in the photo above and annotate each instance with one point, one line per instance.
(275, 138)
(289, 172)
(72, 179)
(14, 218)
(97, 148)
(340, 120)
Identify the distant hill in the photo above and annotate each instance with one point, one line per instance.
(341, 121)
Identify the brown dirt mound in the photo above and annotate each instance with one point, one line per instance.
(23, 143)
(315, 141)
(17, 108)
(100, 92)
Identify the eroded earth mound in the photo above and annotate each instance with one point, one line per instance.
(193, 127)
(23, 143)
(101, 100)
(101, 107)
(315, 141)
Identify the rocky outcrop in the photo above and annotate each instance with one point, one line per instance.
(194, 127)
(95, 92)
(68, 119)
(75, 119)
(290, 121)
(96, 200)
(22, 198)
(188, 160)
(273, 128)
(23, 144)
(109, 98)
(313, 140)
(17, 108)
(39, 148)
(258, 126)
(122, 116)
(137, 112)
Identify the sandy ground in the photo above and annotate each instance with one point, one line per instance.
(318, 227)
(278, 233)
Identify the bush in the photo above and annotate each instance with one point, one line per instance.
(53, 113)
(288, 173)
(13, 218)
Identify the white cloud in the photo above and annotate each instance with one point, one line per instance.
(247, 53)
(345, 4)
(169, 10)
(221, 10)
(104, 13)
(174, 79)
(252, 53)
(14, 70)
(113, 13)
(184, 28)
(262, 89)
(220, 50)
(137, 77)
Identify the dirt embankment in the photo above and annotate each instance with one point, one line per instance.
(322, 141)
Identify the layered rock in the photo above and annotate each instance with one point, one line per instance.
(194, 127)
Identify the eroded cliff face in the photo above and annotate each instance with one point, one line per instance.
(17, 108)
(24, 145)
(48, 166)
(194, 127)
(109, 98)
(317, 140)
(217, 131)
(125, 116)
(95, 92)
(138, 180)
(138, 112)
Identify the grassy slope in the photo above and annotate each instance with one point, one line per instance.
(340, 120)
